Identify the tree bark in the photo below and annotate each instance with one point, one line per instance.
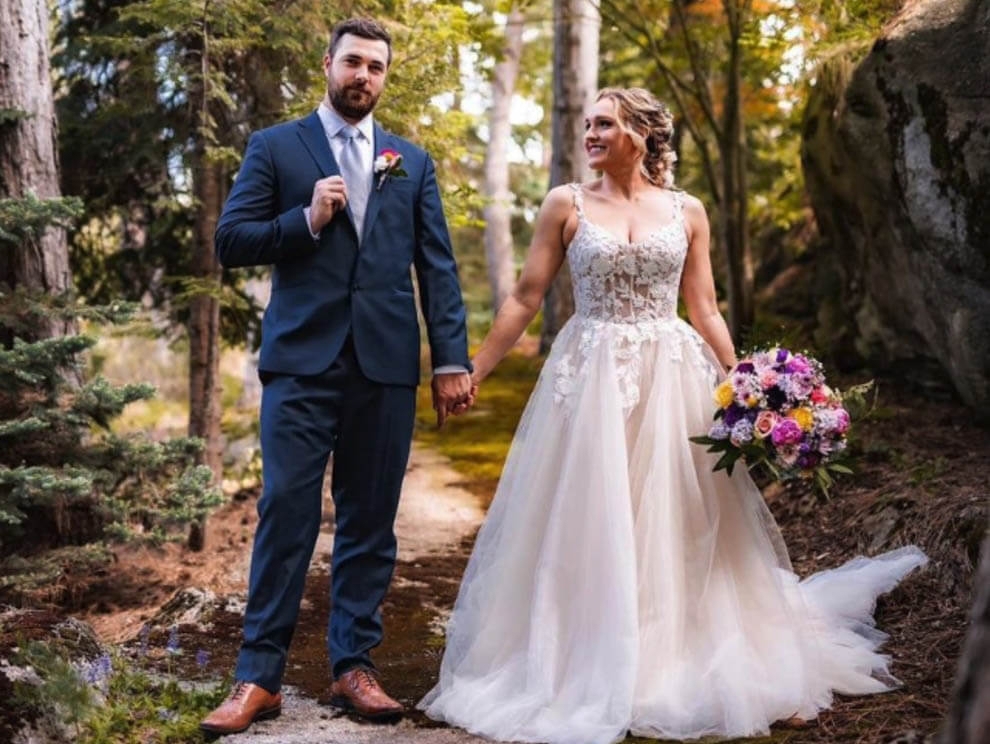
(209, 188)
(734, 221)
(204, 319)
(575, 80)
(28, 152)
(499, 254)
(969, 716)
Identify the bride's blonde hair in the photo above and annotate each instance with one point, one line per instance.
(650, 126)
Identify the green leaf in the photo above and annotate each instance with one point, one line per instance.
(839, 468)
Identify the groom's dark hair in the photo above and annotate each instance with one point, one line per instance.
(366, 28)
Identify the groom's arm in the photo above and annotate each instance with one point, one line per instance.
(436, 270)
(250, 231)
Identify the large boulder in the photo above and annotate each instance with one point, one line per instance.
(896, 153)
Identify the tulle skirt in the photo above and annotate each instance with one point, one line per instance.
(619, 585)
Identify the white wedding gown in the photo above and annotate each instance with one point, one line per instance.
(618, 584)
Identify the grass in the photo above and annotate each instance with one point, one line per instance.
(478, 441)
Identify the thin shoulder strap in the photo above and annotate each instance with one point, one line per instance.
(578, 198)
(678, 205)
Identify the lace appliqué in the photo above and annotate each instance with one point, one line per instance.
(680, 343)
(625, 295)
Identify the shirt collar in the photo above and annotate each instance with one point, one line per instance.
(333, 123)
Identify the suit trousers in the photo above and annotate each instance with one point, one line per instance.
(367, 426)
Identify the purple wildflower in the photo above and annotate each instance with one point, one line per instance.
(202, 658)
(172, 646)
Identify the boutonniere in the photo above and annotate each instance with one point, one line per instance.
(388, 164)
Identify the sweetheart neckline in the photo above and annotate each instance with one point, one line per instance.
(626, 243)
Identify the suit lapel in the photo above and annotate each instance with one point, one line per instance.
(383, 140)
(314, 137)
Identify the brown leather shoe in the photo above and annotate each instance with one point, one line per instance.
(245, 704)
(358, 690)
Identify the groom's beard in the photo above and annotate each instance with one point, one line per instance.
(354, 102)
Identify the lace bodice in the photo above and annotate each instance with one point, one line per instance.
(625, 296)
(620, 282)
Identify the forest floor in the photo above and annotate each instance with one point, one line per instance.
(923, 469)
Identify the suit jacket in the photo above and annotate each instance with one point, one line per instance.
(324, 289)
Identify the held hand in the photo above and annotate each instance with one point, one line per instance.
(451, 394)
(329, 197)
(465, 406)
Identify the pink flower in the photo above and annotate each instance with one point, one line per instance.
(765, 423)
(768, 378)
(818, 395)
(841, 420)
(788, 454)
(787, 431)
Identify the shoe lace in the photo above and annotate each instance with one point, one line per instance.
(240, 689)
(364, 677)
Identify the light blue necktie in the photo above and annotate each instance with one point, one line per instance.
(353, 170)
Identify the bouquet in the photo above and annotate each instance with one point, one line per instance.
(775, 410)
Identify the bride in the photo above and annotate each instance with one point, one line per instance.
(618, 584)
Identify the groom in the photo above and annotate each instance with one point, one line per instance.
(341, 219)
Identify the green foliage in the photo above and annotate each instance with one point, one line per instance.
(61, 689)
(29, 216)
(142, 707)
(113, 700)
(11, 116)
(64, 477)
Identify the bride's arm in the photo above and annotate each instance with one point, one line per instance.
(698, 285)
(546, 254)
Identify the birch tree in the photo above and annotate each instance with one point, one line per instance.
(499, 254)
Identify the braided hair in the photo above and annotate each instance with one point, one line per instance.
(650, 125)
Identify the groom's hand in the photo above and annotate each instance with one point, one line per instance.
(329, 197)
(451, 394)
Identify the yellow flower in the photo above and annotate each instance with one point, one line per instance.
(804, 418)
(752, 401)
(724, 394)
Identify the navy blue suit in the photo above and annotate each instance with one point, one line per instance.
(340, 358)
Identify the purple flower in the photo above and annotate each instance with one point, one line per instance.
(733, 413)
(143, 635)
(719, 430)
(786, 431)
(98, 671)
(744, 367)
(172, 646)
(202, 658)
(782, 355)
(742, 432)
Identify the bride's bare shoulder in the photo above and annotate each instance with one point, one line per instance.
(692, 204)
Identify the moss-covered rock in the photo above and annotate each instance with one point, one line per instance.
(896, 155)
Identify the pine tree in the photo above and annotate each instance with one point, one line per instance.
(68, 484)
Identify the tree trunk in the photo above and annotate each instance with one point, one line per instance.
(734, 221)
(204, 323)
(498, 232)
(575, 80)
(969, 716)
(28, 152)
